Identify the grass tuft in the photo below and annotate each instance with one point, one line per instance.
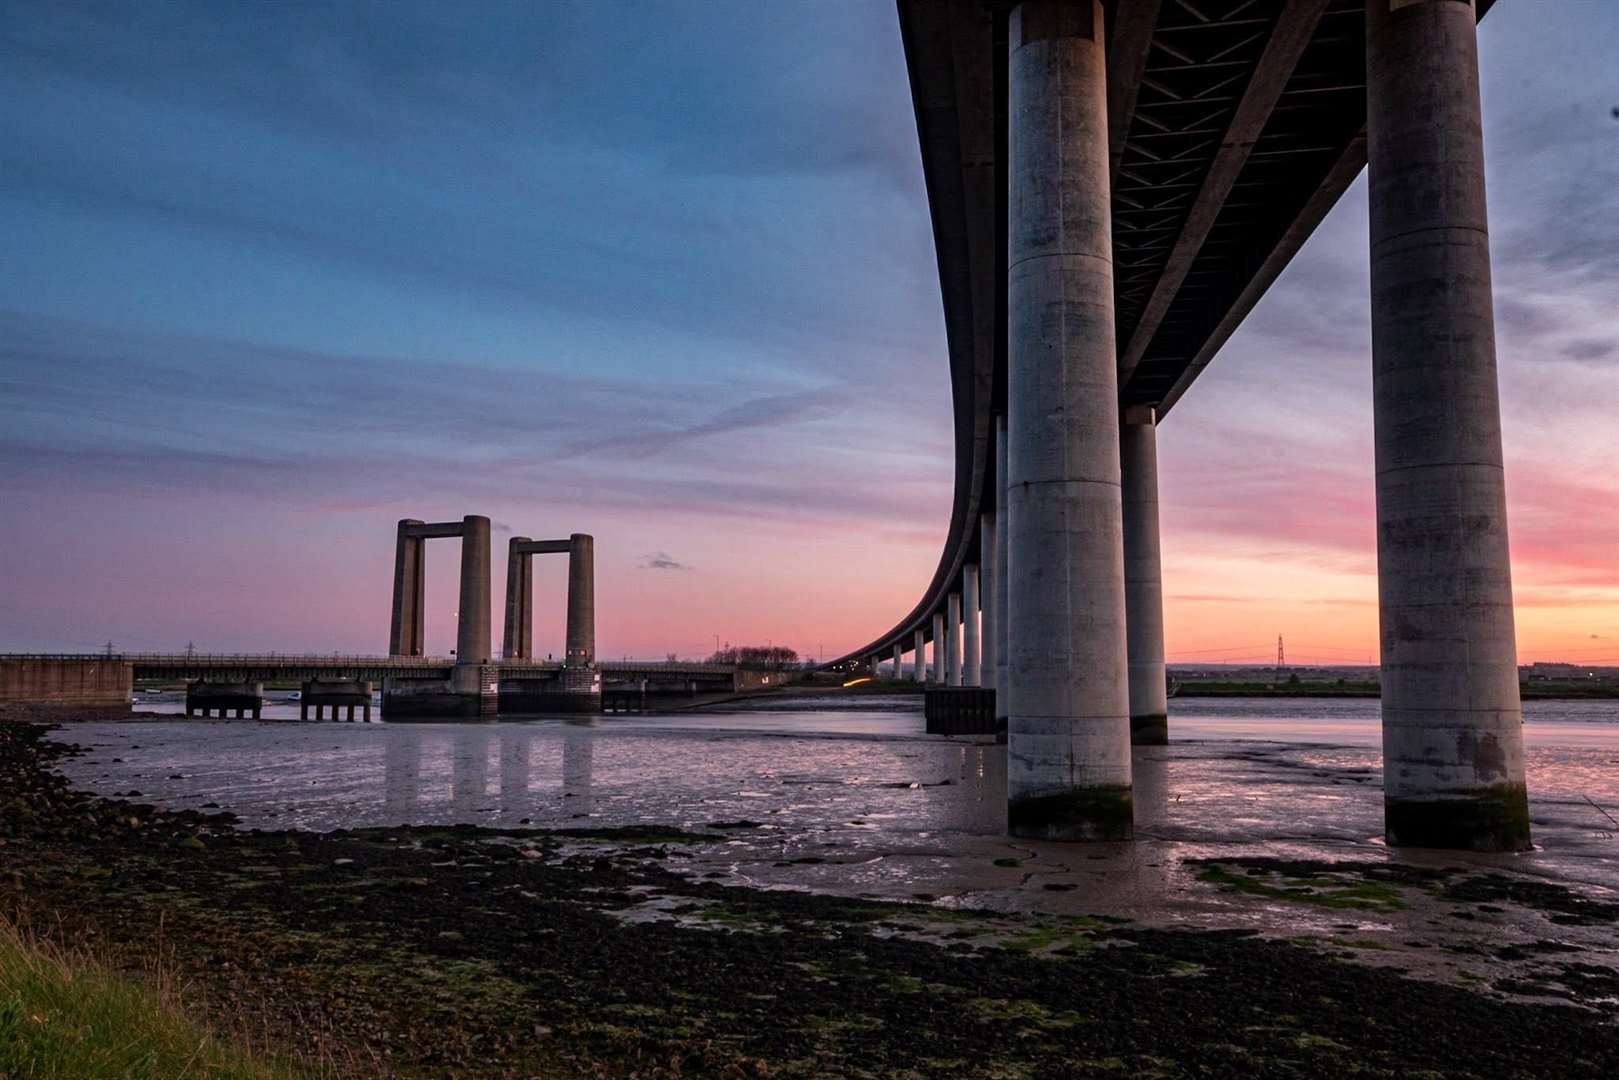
(63, 1015)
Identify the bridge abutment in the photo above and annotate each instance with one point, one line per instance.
(67, 682)
(1143, 577)
(1068, 715)
(1453, 765)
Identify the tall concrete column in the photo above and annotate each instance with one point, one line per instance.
(1068, 717)
(525, 625)
(1143, 578)
(899, 659)
(988, 585)
(920, 672)
(1003, 577)
(938, 648)
(952, 640)
(472, 630)
(971, 656)
(517, 599)
(407, 624)
(1453, 767)
(580, 646)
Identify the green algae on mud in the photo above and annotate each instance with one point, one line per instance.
(515, 952)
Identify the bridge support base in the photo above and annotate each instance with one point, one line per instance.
(470, 693)
(960, 710)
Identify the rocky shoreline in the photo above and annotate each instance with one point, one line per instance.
(483, 952)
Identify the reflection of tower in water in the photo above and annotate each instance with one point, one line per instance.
(401, 774)
(578, 763)
(469, 773)
(515, 744)
(974, 799)
(1150, 795)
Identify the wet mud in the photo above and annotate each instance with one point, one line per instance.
(512, 952)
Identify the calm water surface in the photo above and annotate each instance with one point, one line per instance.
(814, 761)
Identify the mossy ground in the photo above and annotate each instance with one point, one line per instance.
(517, 953)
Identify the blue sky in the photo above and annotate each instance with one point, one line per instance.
(275, 275)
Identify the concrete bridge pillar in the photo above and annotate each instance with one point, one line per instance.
(1003, 578)
(472, 629)
(899, 659)
(987, 586)
(1068, 717)
(952, 640)
(920, 670)
(581, 638)
(1453, 766)
(938, 648)
(406, 632)
(1143, 577)
(517, 638)
(971, 652)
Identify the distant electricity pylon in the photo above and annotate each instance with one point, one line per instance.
(1281, 657)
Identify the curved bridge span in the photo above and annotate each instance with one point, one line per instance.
(1113, 185)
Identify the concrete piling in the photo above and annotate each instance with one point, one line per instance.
(988, 585)
(1068, 714)
(971, 653)
(938, 648)
(1453, 762)
(1143, 578)
(1002, 570)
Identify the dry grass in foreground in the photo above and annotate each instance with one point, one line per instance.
(65, 1015)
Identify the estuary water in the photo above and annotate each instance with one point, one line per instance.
(848, 795)
(846, 781)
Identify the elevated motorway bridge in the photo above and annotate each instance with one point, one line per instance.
(1113, 185)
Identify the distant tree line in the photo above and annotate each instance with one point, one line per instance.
(762, 657)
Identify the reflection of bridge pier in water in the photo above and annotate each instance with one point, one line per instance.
(401, 774)
(469, 769)
(516, 746)
(578, 768)
(1150, 798)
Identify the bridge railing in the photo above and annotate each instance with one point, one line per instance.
(274, 659)
(335, 659)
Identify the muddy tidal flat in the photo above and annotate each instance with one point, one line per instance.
(820, 889)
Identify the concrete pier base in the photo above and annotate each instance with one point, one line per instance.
(1143, 578)
(1068, 713)
(318, 696)
(244, 700)
(472, 692)
(1453, 761)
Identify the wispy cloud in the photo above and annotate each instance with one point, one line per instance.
(661, 560)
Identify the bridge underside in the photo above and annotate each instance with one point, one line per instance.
(1234, 127)
(1113, 186)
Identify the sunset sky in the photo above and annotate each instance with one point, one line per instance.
(274, 276)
